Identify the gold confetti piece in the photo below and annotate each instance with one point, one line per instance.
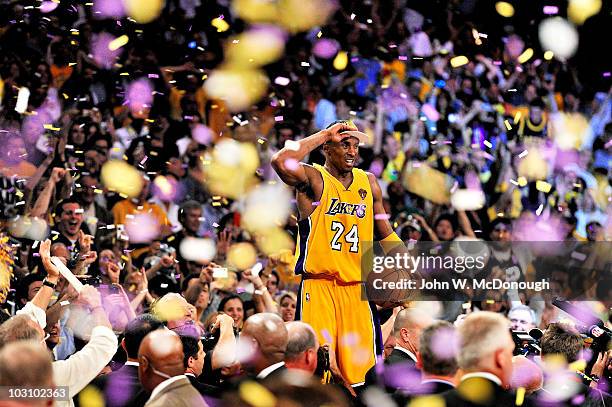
(543, 186)
(220, 24)
(504, 9)
(427, 401)
(508, 125)
(259, 46)
(238, 88)
(91, 396)
(124, 74)
(341, 60)
(525, 56)
(517, 117)
(144, 11)
(533, 166)
(520, 396)
(300, 15)
(118, 42)
(122, 177)
(580, 10)
(256, 395)
(459, 61)
(548, 55)
(242, 255)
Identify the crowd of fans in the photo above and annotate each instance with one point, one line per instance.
(531, 139)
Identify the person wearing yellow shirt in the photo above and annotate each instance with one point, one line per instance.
(139, 205)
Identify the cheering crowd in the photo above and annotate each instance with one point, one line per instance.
(121, 162)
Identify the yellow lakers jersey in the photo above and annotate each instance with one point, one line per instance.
(330, 241)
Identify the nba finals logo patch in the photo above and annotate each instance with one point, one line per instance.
(307, 297)
(363, 193)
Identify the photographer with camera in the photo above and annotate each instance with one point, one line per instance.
(561, 346)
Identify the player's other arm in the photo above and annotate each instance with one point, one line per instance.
(284, 160)
(382, 227)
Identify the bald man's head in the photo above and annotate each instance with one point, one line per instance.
(409, 323)
(160, 357)
(270, 333)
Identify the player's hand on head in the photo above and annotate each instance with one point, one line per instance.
(335, 131)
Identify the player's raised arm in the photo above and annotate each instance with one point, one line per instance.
(284, 161)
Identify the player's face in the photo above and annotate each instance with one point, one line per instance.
(343, 155)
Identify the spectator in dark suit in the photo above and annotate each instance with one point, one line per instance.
(162, 372)
(268, 336)
(122, 387)
(437, 358)
(302, 346)
(193, 360)
(409, 323)
(485, 358)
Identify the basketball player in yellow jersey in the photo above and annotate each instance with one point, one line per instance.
(338, 204)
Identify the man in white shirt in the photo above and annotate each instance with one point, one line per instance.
(81, 368)
(161, 371)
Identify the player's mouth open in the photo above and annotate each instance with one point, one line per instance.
(349, 161)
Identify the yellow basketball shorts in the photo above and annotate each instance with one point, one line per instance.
(342, 319)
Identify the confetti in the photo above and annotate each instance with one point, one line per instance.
(326, 48)
(256, 395)
(118, 42)
(543, 186)
(504, 9)
(266, 206)
(525, 56)
(202, 134)
(239, 88)
(550, 10)
(108, 9)
(142, 228)
(144, 11)
(341, 61)
(458, 61)
(282, 81)
(198, 250)
(48, 6)
(508, 125)
(122, 177)
(299, 15)
(258, 46)
(220, 24)
(467, 199)
(579, 11)
(22, 100)
(558, 36)
(242, 256)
